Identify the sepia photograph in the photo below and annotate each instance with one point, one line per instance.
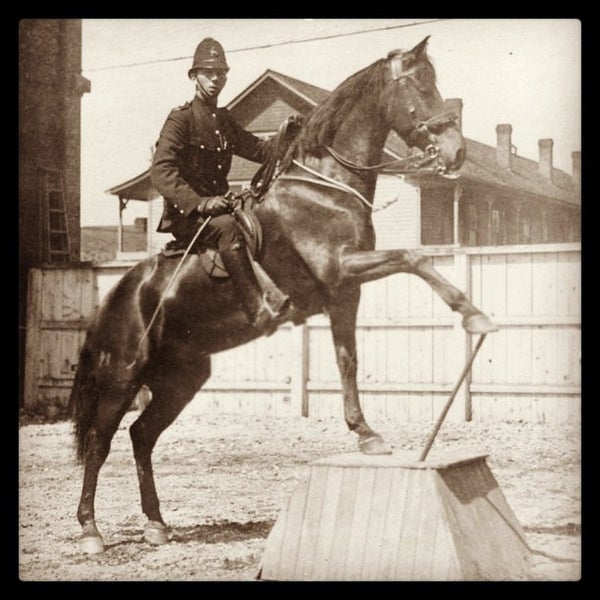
(299, 300)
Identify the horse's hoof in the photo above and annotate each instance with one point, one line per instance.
(479, 323)
(91, 545)
(374, 445)
(155, 533)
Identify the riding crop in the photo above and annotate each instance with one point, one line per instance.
(168, 286)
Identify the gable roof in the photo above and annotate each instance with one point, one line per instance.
(310, 93)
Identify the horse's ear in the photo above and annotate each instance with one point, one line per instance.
(420, 48)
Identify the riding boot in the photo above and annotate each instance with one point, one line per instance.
(260, 313)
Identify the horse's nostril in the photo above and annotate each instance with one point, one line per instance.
(460, 157)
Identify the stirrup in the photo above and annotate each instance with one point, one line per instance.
(275, 311)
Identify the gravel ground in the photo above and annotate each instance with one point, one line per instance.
(222, 480)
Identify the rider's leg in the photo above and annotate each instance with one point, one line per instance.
(223, 233)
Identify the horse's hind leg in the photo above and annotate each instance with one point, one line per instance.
(171, 392)
(111, 408)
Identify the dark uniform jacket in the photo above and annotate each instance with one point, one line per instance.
(193, 158)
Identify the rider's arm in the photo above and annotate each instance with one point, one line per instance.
(164, 172)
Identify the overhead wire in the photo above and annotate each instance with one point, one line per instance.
(265, 46)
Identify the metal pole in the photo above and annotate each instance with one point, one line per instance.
(451, 399)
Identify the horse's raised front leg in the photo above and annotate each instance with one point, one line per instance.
(360, 267)
(342, 315)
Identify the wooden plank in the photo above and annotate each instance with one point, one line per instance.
(405, 565)
(359, 525)
(396, 516)
(525, 389)
(544, 285)
(397, 297)
(326, 534)
(376, 522)
(569, 284)
(71, 295)
(32, 338)
(522, 249)
(544, 360)
(519, 285)
(420, 353)
(299, 368)
(343, 524)
(310, 525)
(421, 298)
(493, 285)
(537, 320)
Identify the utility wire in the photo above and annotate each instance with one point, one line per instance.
(273, 45)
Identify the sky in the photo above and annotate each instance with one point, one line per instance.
(526, 72)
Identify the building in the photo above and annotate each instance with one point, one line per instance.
(500, 198)
(50, 91)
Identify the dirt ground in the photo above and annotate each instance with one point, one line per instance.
(222, 480)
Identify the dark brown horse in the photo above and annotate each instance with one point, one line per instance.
(318, 247)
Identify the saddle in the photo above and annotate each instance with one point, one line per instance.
(211, 259)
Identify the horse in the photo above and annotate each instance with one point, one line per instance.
(318, 247)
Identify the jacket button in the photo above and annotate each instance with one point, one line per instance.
(214, 182)
(181, 211)
(202, 146)
(217, 131)
(214, 115)
(218, 149)
(219, 167)
(176, 205)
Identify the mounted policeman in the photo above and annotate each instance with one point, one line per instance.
(190, 168)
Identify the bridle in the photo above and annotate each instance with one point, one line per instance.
(417, 163)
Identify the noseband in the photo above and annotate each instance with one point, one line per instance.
(419, 163)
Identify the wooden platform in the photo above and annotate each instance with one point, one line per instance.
(392, 518)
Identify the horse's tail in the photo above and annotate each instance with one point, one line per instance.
(83, 400)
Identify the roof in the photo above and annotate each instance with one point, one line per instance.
(480, 166)
(311, 93)
(138, 188)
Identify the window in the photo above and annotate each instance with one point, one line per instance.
(437, 216)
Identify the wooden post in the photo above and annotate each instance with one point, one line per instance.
(122, 205)
(456, 214)
(462, 272)
(299, 368)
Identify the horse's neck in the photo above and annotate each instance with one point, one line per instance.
(360, 140)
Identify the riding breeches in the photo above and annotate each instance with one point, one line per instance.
(221, 233)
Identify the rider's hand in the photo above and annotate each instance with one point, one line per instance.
(216, 206)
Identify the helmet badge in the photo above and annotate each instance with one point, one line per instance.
(213, 51)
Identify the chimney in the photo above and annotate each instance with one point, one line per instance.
(455, 105)
(503, 145)
(545, 166)
(576, 169)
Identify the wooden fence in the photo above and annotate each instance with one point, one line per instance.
(411, 347)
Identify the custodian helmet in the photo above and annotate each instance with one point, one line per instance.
(209, 55)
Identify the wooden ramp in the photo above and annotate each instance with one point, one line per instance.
(391, 518)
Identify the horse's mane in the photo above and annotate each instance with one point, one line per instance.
(324, 120)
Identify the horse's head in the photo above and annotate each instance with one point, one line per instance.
(414, 108)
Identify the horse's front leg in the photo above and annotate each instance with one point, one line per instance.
(342, 314)
(360, 267)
